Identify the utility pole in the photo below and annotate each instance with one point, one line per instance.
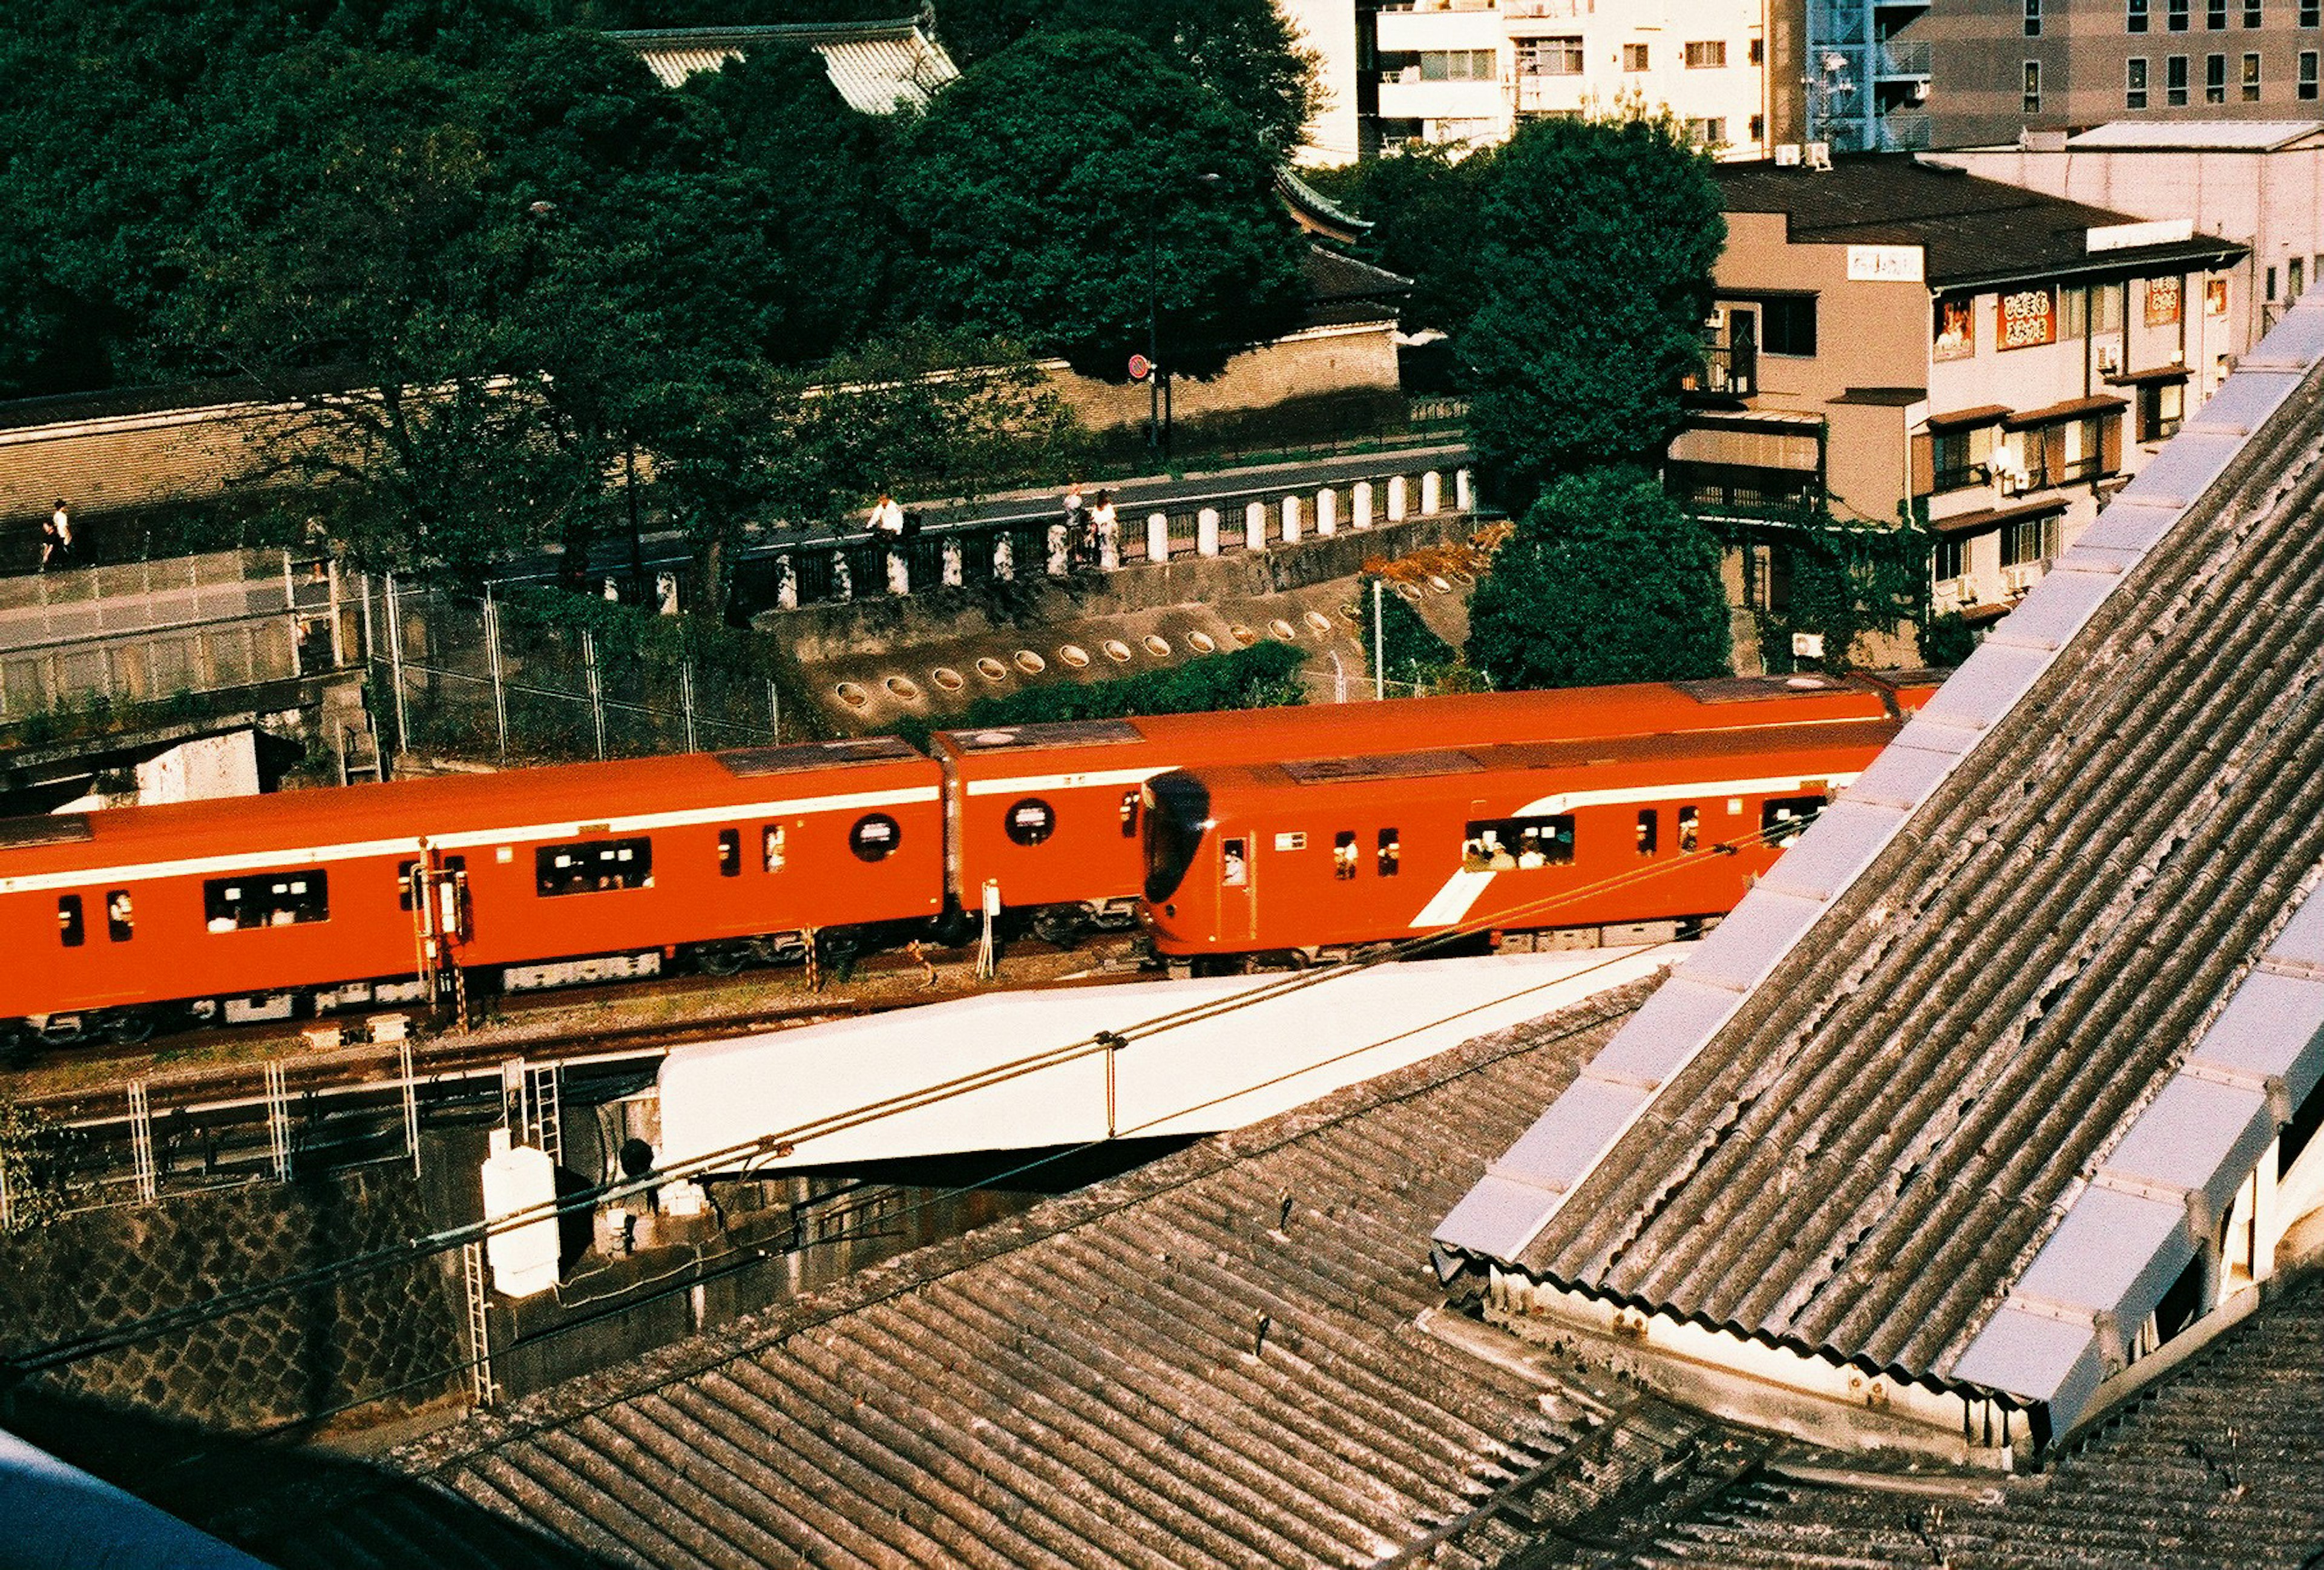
(1379, 645)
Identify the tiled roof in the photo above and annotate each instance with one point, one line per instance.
(877, 66)
(1212, 1361)
(1858, 1116)
(1972, 230)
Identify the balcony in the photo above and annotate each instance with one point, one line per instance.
(1415, 31)
(1405, 97)
(1901, 57)
(1730, 370)
(1904, 130)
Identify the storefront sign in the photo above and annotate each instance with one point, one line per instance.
(2029, 318)
(2215, 296)
(1955, 329)
(2163, 301)
(1885, 264)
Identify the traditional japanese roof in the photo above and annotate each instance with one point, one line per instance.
(1318, 213)
(877, 66)
(1959, 1089)
(1972, 231)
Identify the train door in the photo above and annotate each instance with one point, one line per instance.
(1237, 889)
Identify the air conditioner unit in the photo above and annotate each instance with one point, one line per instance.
(2018, 579)
(1787, 155)
(1819, 155)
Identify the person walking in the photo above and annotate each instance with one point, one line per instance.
(48, 543)
(1105, 532)
(887, 520)
(1076, 529)
(62, 520)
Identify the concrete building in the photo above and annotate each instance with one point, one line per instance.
(2258, 182)
(1999, 67)
(1867, 88)
(1891, 335)
(1453, 71)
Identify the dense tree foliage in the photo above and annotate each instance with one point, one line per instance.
(1047, 219)
(1605, 580)
(1595, 241)
(1423, 204)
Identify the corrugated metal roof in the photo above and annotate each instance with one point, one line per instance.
(1870, 1153)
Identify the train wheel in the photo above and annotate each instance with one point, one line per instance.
(130, 1027)
(955, 928)
(721, 958)
(1060, 928)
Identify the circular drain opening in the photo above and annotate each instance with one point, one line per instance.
(853, 695)
(905, 688)
(1157, 645)
(946, 678)
(1465, 577)
(991, 669)
(1074, 655)
(1030, 663)
(1283, 629)
(1202, 643)
(1318, 620)
(1353, 616)
(1116, 649)
(1439, 585)
(1242, 635)
(1410, 591)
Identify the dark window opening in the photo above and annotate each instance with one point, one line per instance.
(2135, 16)
(1234, 863)
(1689, 829)
(69, 929)
(874, 837)
(2033, 18)
(266, 899)
(2177, 13)
(1031, 822)
(1787, 325)
(2251, 79)
(1650, 831)
(1784, 818)
(1391, 853)
(1130, 815)
(1343, 854)
(1949, 557)
(2307, 74)
(1957, 458)
(2215, 14)
(1178, 811)
(593, 867)
(2215, 78)
(120, 916)
(2032, 87)
(1518, 844)
(2134, 95)
(2251, 12)
(2174, 81)
(729, 852)
(773, 844)
(2183, 1304)
(2161, 406)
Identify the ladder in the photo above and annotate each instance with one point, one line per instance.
(480, 1325)
(532, 1106)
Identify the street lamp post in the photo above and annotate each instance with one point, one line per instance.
(1157, 397)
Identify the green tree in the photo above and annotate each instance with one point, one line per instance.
(1605, 580)
(1423, 203)
(1595, 241)
(36, 1159)
(1046, 188)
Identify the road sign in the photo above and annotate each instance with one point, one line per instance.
(1140, 367)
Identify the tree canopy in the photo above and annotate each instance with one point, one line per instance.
(1605, 580)
(1595, 243)
(1049, 185)
(1423, 204)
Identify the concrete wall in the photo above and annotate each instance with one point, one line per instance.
(102, 466)
(1326, 359)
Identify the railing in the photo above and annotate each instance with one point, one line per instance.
(1032, 547)
(1904, 131)
(1731, 368)
(1901, 58)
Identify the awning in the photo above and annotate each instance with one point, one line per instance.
(1986, 518)
(2146, 378)
(1983, 415)
(1882, 397)
(2071, 408)
(1985, 615)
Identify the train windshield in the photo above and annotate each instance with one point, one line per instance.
(1177, 812)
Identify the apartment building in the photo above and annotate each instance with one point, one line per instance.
(1999, 67)
(1866, 78)
(1893, 337)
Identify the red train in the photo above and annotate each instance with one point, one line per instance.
(334, 899)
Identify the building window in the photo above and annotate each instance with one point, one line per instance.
(1949, 559)
(1458, 65)
(2134, 94)
(2176, 11)
(2033, 18)
(1957, 457)
(2215, 14)
(2028, 540)
(2134, 17)
(2032, 87)
(1519, 843)
(2174, 81)
(2251, 12)
(2215, 78)
(2251, 79)
(266, 899)
(1787, 325)
(1552, 57)
(1711, 133)
(1636, 57)
(1758, 127)
(593, 866)
(2295, 277)
(2307, 74)
(1758, 52)
(2307, 13)
(2161, 406)
(70, 930)
(1706, 55)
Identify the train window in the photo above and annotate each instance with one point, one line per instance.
(1130, 815)
(874, 837)
(120, 916)
(592, 866)
(1391, 853)
(1689, 829)
(1031, 821)
(1784, 818)
(1343, 854)
(729, 852)
(772, 842)
(69, 930)
(403, 871)
(1291, 840)
(1234, 863)
(1502, 844)
(266, 899)
(1650, 831)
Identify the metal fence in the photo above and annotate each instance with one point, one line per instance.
(466, 677)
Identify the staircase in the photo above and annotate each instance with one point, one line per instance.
(347, 723)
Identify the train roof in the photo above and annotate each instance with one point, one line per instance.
(573, 795)
(1633, 709)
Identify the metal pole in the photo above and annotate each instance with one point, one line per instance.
(395, 667)
(597, 689)
(686, 700)
(775, 707)
(1153, 341)
(500, 687)
(411, 1099)
(1379, 645)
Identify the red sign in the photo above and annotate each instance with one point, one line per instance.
(1140, 367)
(2029, 318)
(2163, 301)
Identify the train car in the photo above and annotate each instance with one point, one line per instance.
(1051, 813)
(1630, 839)
(249, 909)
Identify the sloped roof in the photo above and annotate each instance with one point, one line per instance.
(1972, 231)
(2193, 136)
(1912, 1069)
(877, 66)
